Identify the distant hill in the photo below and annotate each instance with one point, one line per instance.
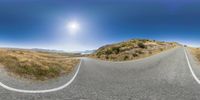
(132, 49)
(48, 51)
(58, 52)
(87, 51)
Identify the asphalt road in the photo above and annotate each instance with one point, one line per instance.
(165, 76)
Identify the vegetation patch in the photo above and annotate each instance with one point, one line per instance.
(36, 65)
(132, 49)
(196, 52)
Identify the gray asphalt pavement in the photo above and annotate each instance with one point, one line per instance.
(165, 76)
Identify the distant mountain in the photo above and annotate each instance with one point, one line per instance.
(61, 51)
(87, 51)
(47, 50)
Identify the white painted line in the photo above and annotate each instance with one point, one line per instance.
(192, 72)
(43, 91)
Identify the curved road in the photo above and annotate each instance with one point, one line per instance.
(165, 76)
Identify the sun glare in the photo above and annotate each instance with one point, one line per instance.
(73, 26)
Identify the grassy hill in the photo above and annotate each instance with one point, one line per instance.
(132, 49)
(36, 65)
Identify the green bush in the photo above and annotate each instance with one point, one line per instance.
(141, 45)
(126, 57)
(99, 54)
(108, 51)
(115, 50)
(139, 52)
(134, 55)
(107, 57)
(161, 49)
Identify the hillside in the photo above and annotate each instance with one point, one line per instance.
(132, 49)
(36, 65)
(196, 52)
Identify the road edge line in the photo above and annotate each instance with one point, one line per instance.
(190, 67)
(43, 91)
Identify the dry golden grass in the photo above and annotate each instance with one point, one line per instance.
(36, 65)
(132, 49)
(196, 52)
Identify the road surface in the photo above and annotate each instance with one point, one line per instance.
(165, 76)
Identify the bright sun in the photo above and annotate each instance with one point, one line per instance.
(73, 26)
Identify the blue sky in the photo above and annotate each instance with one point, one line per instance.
(42, 23)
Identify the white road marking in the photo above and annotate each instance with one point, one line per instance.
(192, 72)
(43, 91)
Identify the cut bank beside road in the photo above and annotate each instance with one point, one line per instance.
(132, 49)
(195, 52)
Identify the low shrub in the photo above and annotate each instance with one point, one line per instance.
(141, 45)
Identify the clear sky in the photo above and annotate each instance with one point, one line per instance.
(44, 23)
